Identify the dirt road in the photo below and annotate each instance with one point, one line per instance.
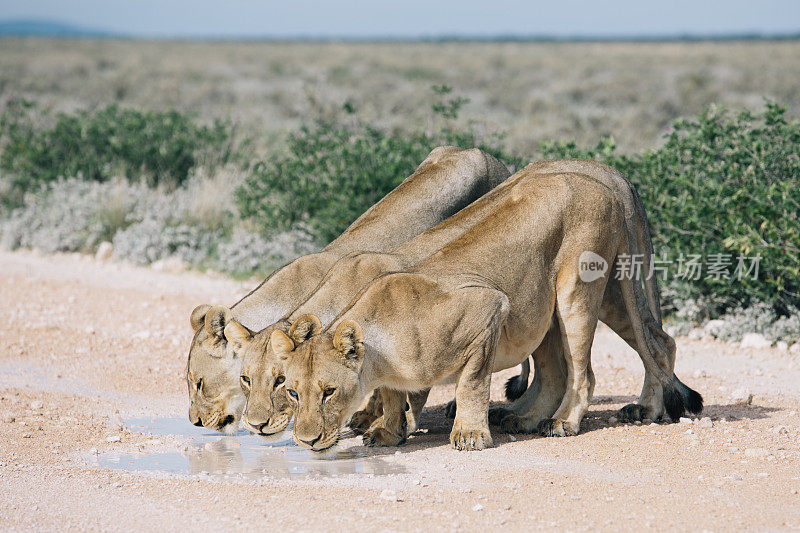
(89, 350)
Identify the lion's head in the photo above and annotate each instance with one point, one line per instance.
(322, 377)
(212, 372)
(262, 378)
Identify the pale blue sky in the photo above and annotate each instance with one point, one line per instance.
(415, 18)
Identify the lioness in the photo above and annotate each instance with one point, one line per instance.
(482, 303)
(262, 373)
(268, 410)
(447, 180)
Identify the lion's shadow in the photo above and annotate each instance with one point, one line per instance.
(435, 426)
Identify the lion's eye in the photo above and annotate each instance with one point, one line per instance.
(292, 393)
(328, 392)
(245, 380)
(279, 380)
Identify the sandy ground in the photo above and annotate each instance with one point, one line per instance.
(85, 346)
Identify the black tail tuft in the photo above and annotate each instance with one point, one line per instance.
(678, 398)
(692, 399)
(515, 387)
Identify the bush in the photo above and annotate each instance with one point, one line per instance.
(161, 147)
(721, 185)
(334, 170)
(71, 215)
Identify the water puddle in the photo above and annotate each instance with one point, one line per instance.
(241, 456)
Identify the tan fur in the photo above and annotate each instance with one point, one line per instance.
(482, 303)
(342, 282)
(449, 179)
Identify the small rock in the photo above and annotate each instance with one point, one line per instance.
(89, 330)
(795, 348)
(757, 453)
(26, 435)
(699, 373)
(684, 420)
(389, 495)
(696, 333)
(153, 442)
(477, 507)
(755, 340)
(782, 346)
(8, 419)
(512, 438)
(36, 405)
(104, 251)
(171, 264)
(613, 420)
(742, 397)
(713, 327)
(117, 485)
(93, 451)
(706, 422)
(780, 430)
(113, 438)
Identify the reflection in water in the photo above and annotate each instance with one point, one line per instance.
(249, 456)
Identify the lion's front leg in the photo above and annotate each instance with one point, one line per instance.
(391, 428)
(471, 425)
(362, 420)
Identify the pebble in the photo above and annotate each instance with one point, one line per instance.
(389, 495)
(36, 405)
(113, 438)
(795, 348)
(742, 397)
(758, 453)
(706, 422)
(782, 346)
(8, 419)
(684, 420)
(89, 330)
(26, 435)
(93, 451)
(699, 373)
(477, 507)
(780, 430)
(613, 420)
(755, 340)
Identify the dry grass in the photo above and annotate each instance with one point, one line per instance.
(533, 91)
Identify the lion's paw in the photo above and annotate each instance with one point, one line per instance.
(513, 423)
(470, 439)
(635, 412)
(382, 437)
(450, 409)
(497, 414)
(555, 427)
(361, 421)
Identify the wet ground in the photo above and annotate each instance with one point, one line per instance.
(212, 456)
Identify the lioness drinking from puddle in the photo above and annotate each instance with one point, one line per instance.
(446, 181)
(269, 411)
(482, 303)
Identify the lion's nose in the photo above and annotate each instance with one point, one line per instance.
(312, 441)
(199, 422)
(262, 426)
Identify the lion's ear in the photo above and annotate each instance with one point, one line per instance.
(281, 344)
(304, 327)
(238, 335)
(216, 319)
(349, 341)
(198, 317)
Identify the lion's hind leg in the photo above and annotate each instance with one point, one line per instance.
(547, 390)
(577, 306)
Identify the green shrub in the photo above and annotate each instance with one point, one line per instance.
(721, 184)
(334, 170)
(161, 147)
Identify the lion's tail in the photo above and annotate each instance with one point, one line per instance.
(644, 310)
(517, 385)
